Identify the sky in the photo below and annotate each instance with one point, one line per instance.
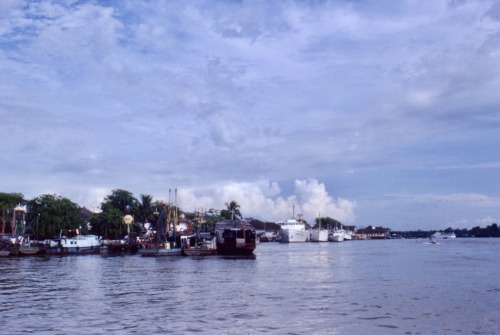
(383, 113)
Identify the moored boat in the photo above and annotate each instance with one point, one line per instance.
(77, 245)
(201, 245)
(319, 235)
(443, 235)
(28, 247)
(235, 237)
(162, 249)
(336, 235)
(347, 235)
(167, 239)
(293, 230)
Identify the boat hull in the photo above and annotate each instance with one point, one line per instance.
(159, 252)
(320, 235)
(198, 252)
(72, 250)
(235, 237)
(79, 245)
(294, 236)
(31, 250)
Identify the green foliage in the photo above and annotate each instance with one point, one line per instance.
(489, 231)
(7, 203)
(327, 223)
(52, 214)
(232, 211)
(121, 200)
(145, 210)
(109, 223)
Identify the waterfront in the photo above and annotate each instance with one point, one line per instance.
(355, 287)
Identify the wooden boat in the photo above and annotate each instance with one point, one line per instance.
(155, 250)
(27, 247)
(201, 245)
(128, 245)
(235, 237)
(5, 246)
(80, 244)
(164, 242)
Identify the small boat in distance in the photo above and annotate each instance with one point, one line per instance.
(443, 235)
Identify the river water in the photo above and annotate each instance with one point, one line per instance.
(354, 287)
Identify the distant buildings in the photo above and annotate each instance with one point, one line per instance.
(371, 232)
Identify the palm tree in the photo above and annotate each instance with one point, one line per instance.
(233, 210)
(146, 208)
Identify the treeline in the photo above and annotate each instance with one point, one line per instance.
(49, 215)
(489, 231)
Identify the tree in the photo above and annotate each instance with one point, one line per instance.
(54, 214)
(145, 211)
(7, 203)
(122, 200)
(327, 223)
(109, 223)
(232, 211)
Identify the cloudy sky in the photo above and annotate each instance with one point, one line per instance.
(379, 113)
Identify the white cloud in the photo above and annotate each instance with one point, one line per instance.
(224, 97)
(264, 200)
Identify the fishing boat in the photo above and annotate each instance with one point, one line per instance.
(28, 247)
(4, 252)
(7, 246)
(166, 241)
(76, 245)
(203, 244)
(127, 245)
(163, 249)
(235, 237)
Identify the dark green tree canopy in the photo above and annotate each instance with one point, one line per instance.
(232, 210)
(109, 223)
(8, 201)
(122, 200)
(54, 214)
(327, 223)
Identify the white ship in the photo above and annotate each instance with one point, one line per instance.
(293, 230)
(336, 235)
(439, 235)
(319, 234)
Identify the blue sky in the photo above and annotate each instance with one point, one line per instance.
(372, 112)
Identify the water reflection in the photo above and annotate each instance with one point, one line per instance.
(356, 287)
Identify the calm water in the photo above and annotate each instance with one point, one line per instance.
(355, 287)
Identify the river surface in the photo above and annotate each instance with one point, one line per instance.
(353, 287)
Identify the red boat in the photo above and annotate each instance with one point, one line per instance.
(235, 237)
